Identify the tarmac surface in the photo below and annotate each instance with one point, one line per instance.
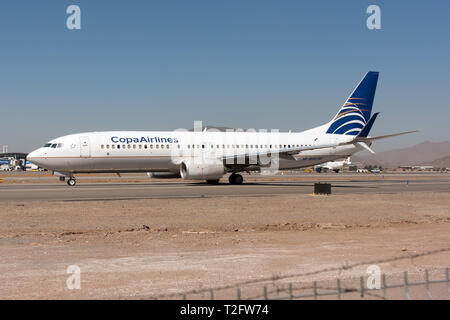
(115, 190)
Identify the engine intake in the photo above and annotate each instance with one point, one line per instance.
(202, 169)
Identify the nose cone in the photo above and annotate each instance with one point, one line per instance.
(36, 157)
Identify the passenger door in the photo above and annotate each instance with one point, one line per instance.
(85, 147)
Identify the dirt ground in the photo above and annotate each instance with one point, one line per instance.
(158, 247)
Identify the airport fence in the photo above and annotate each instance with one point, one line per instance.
(418, 285)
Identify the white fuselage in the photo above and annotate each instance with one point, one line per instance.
(163, 151)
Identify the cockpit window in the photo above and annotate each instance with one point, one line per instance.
(53, 145)
(47, 145)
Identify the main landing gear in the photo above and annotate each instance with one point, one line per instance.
(235, 179)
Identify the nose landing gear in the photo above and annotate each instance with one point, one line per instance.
(71, 182)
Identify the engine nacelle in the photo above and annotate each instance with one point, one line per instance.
(202, 170)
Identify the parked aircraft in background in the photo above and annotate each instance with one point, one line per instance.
(335, 165)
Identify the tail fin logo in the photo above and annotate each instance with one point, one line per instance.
(355, 113)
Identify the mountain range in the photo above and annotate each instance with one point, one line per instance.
(436, 154)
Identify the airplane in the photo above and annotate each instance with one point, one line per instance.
(335, 165)
(209, 155)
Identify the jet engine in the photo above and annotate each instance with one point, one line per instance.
(202, 169)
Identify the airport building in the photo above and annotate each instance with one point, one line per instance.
(12, 161)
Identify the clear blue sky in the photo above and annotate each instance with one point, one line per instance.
(159, 65)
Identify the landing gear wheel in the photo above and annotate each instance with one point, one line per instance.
(235, 179)
(216, 181)
(71, 182)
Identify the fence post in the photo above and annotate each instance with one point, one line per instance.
(265, 292)
(384, 286)
(448, 280)
(339, 288)
(315, 290)
(291, 295)
(211, 294)
(406, 286)
(361, 282)
(427, 284)
(239, 293)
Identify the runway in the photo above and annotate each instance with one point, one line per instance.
(168, 190)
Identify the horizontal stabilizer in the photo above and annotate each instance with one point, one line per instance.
(384, 137)
(365, 146)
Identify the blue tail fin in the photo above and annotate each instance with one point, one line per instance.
(355, 113)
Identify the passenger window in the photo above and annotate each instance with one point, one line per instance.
(145, 146)
(118, 146)
(162, 146)
(168, 146)
(223, 146)
(134, 146)
(107, 146)
(189, 146)
(140, 146)
(203, 146)
(103, 146)
(113, 146)
(157, 146)
(129, 146)
(151, 146)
